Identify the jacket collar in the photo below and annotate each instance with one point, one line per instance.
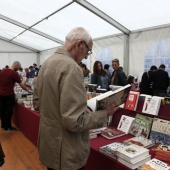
(64, 52)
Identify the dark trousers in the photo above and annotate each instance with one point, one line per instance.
(54, 169)
(6, 110)
(159, 92)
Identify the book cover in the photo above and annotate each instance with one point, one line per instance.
(160, 131)
(151, 105)
(141, 126)
(140, 141)
(111, 148)
(125, 123)
(155, 164)
(167, 100)
(111, 133)
(132, 100)
(118, 96)
(135, 164)
(132, 153)
(96, 131)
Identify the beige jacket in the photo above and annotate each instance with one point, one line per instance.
(60, 97)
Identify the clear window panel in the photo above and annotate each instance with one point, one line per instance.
(75, 15)
(36, 41)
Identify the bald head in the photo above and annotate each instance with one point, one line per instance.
(16, 65)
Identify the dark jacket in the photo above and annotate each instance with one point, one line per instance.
(160, 80)
(145, 85)
(120, 78)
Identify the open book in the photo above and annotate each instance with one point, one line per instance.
(110, 97)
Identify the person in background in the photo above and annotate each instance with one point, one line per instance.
(160, 79)
(7, 97)
(118, 77)
(131, 82)
(21, 73)
(106, 69)
(146, 84)
(99, 76)
(86, 71)
(6, 66)
(35, 67)
(27, 73)
(32, 72)
(61, 99)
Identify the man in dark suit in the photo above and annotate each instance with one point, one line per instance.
(160, 79)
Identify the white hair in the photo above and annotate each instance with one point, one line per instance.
(78, 33)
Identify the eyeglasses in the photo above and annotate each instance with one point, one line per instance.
(89, 50)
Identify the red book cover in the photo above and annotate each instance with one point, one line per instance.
(132, 100)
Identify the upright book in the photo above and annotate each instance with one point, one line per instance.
(160, 131)
(111, 133)
(118, 97)
(151, 105)
(132, 100)
(141, 126)
(132, 153)
(125, 123)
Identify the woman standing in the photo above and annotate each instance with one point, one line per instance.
(99, 76)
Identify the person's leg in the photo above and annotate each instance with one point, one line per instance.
(2, 110)
(9, 103)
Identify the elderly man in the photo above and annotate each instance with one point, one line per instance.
(7, 98)
(60, 97)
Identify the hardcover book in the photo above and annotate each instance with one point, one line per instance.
(132, 100)
(118, 96)
(132, 153)
(140, 141)
(141, 126)
(111, 133)
(160, 131)
(155, 164)
(111, 148)
(167, 100)
(125, 123)
(151, 105)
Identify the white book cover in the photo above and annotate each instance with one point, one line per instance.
(135, 164)
(151, 105)
(132, 153)
(155, 164)
(111, 148)
(118, 96)
(125, 123)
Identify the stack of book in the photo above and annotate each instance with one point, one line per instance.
(94, 132)
(110, 149)
(132, 156)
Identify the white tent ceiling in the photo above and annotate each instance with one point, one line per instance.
(41, 25)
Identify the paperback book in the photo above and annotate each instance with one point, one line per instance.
(160, 131)
(132, 153)
(141, 126)
(111, 148)
(154, 164)
(140, 141)
(118, 97)
(111, 133)
(125, 123)
(132, 100)
(151, 105)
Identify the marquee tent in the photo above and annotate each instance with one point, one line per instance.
(135, 32)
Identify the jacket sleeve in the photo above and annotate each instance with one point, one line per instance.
(36, 98)
(73, 104)
(93, 79)
(123, 78)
